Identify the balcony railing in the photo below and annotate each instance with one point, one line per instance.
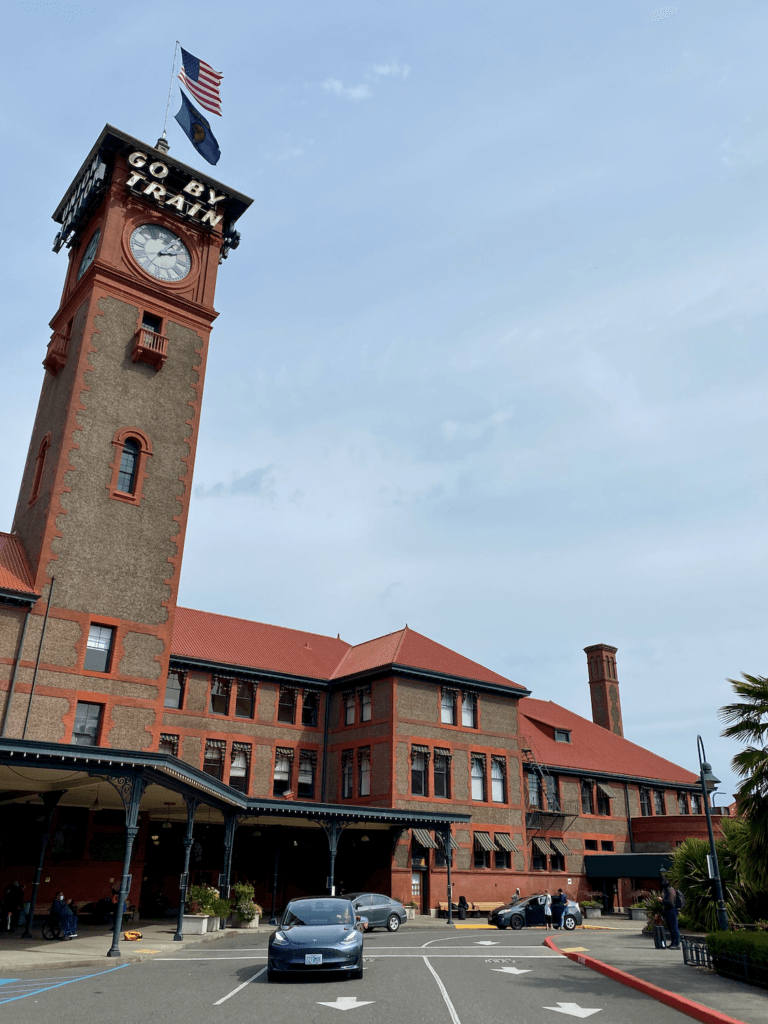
(56, 356)
(149, 347)
(552, 817)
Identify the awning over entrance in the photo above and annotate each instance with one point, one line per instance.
(627, 865)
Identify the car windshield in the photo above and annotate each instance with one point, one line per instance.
(313, 913)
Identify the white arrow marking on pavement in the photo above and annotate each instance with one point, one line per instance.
(573, 1009)
(515, 970)
(347, 1003)
(486, 942)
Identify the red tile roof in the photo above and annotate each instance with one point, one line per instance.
(15, 573)
(229, 641)
(592, 747)
(410, 649)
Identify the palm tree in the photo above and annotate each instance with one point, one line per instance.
(748, 720)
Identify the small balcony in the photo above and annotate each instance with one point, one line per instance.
(149, 347)
(56, 356)
(555, 817)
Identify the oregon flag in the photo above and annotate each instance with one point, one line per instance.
(198, 131)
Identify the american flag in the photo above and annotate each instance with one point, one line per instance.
(201, 80)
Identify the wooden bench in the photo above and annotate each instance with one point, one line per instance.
(475, 909)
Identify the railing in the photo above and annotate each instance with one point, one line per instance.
(150, 347)
(56, 356)
(551, 817)
(740, 966)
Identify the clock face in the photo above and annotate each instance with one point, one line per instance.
(160, 252)
(89, 253)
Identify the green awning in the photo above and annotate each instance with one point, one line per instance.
(626, 865)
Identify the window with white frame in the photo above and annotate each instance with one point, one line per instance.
(347, 774)
(98, 648)
(281, 782)
(213, 760)
(498, 779)
(307, 766)
(448, 706)
(419, 766)
(469, 710)
(349, 707)
(238, 768)
(365, 704)
(364, 771)
(478, 777)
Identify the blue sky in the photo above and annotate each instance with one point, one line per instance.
(490, 356)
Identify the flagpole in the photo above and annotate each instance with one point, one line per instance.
(170, 87)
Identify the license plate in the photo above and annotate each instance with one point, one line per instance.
(311, 959)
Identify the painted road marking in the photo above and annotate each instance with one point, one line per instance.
(513, 970)
(239, 987)
(485, 942)
(69, 981)
(475, 955)
(7, 981)
(347, 1003)
(574, 949)
(572, 1008)
(443, 992)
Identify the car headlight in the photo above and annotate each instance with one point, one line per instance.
(279, 939)
(351, 937)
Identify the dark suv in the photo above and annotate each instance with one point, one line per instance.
(530, 911)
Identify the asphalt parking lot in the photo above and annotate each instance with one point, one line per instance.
(465, 977)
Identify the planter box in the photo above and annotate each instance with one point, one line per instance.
(195, 924)
(232, 922)
(411, 913)
(592, 912)
(214, 923)
(638, 914)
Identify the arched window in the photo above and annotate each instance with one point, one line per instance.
(129, 462)
(129, 467)
(42, 452)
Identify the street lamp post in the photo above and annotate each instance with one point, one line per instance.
(708, 784)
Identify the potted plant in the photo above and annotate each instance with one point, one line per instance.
(245, 911)
(410, 909)
(637, 909)
(200, 916)
(592, 905)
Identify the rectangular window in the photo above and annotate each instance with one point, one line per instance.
(220, 695)
(538, 861)
(364, 771)
(349, 707)
(557, 862)
(129, 462)
(365, 704)
(152, 323)
(484, 846)
(244, 701)
(85, 732)
(347, 774)
(603, 803)
(442, 773)
(553, 796)
(696, 804)
(419, 759)
(281, 782)
(658, 801)
(307, 764)
(534, 790)
(238, 769)
(98, 648)
(309, 706)
(169, 744)
(213, 761)
(590, 844)
(682, 802)
(286, 705)
(503, 859)
(469, 711)
(174, 688)
(587, 798)
(448, 707)
(498, 779)
(562, 736)
(645, 801)
(606, 844)
(478, 777)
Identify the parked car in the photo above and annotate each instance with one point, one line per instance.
(530, 911)
(319, 933)
(381, 911)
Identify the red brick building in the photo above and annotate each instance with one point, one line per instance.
(221, 722)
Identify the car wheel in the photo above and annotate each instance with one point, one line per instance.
(502, 927)
(393, 923)
(516, 922)
(569, 922)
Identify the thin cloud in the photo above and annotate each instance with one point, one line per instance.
(350, 92)
(258, 483)
(391, 70)
(376, 73)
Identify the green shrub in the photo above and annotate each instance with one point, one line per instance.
(201, 898)
(221, 908)
(689, 874)
(742, 955)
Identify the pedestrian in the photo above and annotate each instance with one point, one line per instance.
(463, 908)
(672, 904)
(558, 908)
(515, 898)
(64, 911)
(548, 908)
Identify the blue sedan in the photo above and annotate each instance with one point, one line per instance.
(319, 933)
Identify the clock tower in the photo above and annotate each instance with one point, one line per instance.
(104, 498)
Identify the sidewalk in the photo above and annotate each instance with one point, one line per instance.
(621, 945)
(90, 947)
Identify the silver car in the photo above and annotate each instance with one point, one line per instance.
(320, 933)
(381, 911)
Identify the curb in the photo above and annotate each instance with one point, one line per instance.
(705, 1014)
(67, 965)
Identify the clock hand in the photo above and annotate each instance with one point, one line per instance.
(174, 248)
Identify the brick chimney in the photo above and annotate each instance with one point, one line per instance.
(604, 687)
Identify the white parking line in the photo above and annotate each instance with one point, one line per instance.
(479, 954)
(446, 997)
(239, 987)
